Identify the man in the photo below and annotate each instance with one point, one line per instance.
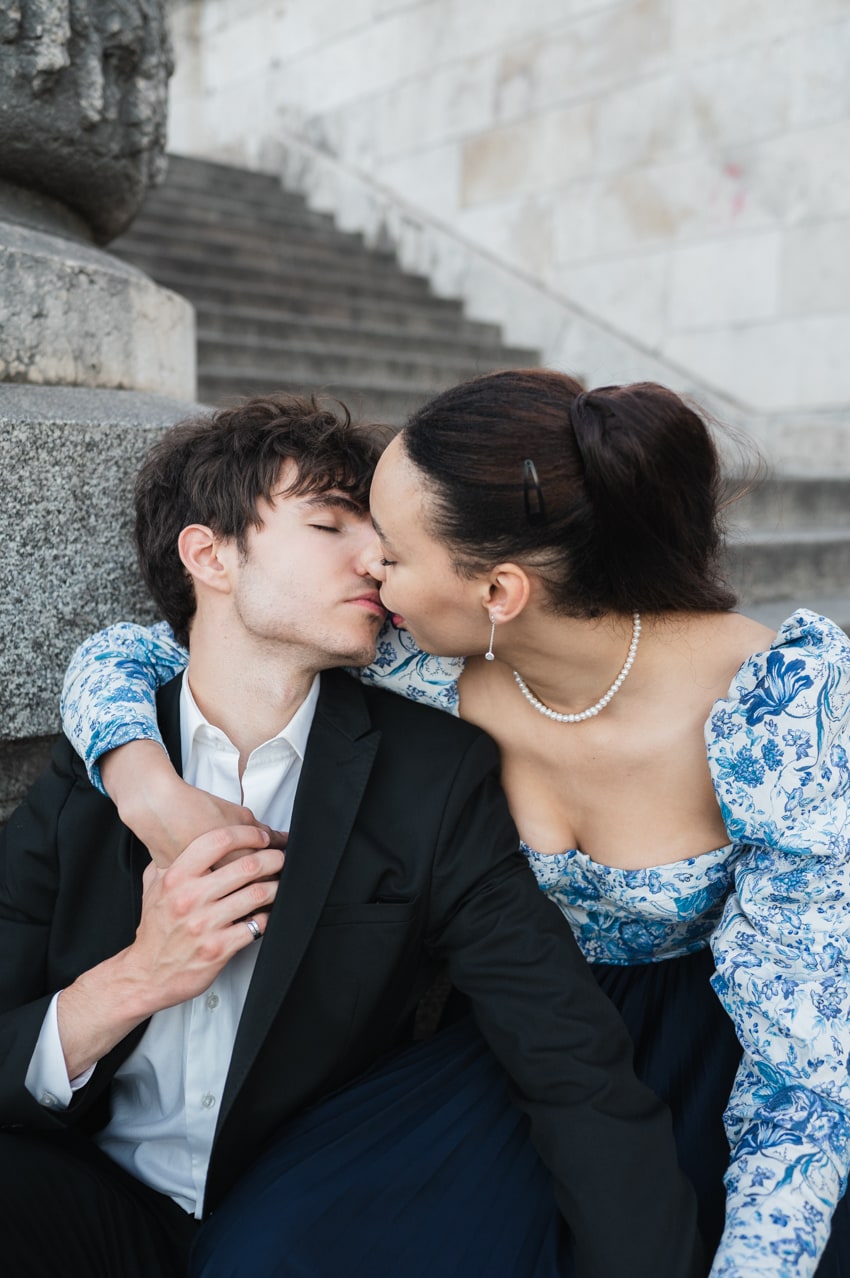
(148, 1048)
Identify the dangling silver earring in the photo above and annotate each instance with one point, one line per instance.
(490, 655)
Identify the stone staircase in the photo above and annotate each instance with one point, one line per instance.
(285, 301)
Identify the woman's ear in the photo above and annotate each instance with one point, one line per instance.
(508, 590)
(199, 550)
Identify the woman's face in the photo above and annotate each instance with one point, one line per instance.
(444, 611)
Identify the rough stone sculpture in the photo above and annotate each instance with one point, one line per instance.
(83, 103)
(82, 131)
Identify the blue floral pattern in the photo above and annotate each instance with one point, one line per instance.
(400, 666)
(782, 946)
(110, 686)
(774, 904)
(637, 916)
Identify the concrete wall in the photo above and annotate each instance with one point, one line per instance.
(676, 168)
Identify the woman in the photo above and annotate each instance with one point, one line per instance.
(678, 773)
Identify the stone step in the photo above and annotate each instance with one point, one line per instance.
(782, 503)
(241, 245)
(428, 313)
(233, 207)
(385, 402)
(320, 363)
(277, 324)
(766, 565)
(773, 612)
(198, 226)
(206, 180)
(201, 219)
(209, 175)
(233, 286)
(164, 264)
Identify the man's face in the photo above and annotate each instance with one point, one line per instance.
(302, 583)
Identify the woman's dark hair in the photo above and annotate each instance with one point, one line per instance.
(213, 470)
(612, 495)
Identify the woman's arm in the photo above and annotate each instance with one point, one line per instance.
(109, 716)
(108, 698)
(109, 694)
(782, 976)
(163, 811)
(778, 752)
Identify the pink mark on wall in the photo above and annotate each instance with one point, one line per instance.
(739, 196)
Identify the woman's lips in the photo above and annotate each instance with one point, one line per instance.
(398, 621)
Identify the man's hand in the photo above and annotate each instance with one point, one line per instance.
(163, 811)
(192, 914)
(192, 923)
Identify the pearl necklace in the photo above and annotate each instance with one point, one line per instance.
(600, 705)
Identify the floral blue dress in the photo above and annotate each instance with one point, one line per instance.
(773, 905)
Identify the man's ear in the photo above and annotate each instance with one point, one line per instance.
(199, 550)
(507, 591)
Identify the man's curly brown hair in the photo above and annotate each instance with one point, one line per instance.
(214, 468)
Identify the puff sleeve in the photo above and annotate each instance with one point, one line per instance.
(108, 697)
(401, 667)
(778, 754)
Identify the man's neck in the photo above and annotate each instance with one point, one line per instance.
(250, 698)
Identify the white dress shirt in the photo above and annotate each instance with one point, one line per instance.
(166, 1095)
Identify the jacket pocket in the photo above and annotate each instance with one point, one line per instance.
(381, 912)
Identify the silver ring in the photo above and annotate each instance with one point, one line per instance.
(253, 927)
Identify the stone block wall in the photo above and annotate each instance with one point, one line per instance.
(677, 169)
(68, 566)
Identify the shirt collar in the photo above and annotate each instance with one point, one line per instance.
(192, 721)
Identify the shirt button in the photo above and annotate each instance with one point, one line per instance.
(49, 1100)
(212, 1001)
(208, 1100)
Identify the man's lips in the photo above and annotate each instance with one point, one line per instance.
(370, 600)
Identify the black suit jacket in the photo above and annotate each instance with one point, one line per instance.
(401, 854)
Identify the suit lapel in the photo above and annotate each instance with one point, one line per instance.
(168, 716)
(337, 765)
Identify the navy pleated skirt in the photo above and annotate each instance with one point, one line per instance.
(423, 1166)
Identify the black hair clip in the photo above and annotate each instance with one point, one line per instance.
(532, 493)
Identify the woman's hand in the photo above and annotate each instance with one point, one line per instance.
(162, 810)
